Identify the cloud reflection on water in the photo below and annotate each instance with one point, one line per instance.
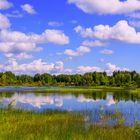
(39, 101)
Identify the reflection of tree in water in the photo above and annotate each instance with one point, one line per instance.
(6, 94)
(124, 95)
(117, 95)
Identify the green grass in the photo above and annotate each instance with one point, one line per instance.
(136, 91)
(89, 90)
(78, 89)
(55, 125)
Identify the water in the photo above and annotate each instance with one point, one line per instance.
(97, 107)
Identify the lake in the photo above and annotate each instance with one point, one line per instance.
(96, 107)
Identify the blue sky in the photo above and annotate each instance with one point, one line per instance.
(69, 36)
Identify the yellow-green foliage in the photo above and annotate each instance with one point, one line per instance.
(54, 125)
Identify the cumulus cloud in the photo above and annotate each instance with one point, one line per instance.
(107, 52)
(107, 6)
(17, 42)
(121, 31)
(19, 56)
(12, 47)
(110, 68)
(40, 66)
(28, 8)
(4, 4)
(48, 36)
(85, 69)
(20, 43)
(82, 49)
(79, 51)
(84, 32)
(36, 66)
(55, 36)
(4, 22)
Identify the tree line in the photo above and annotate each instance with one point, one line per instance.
(117, 79)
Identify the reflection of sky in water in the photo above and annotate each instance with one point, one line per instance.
(93, 109)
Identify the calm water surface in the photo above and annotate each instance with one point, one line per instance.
(96, 107)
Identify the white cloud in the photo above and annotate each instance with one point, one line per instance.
(88, 32)
(37, 66)
(19, 56)
(17, 42)
(85, 69)
(70, 52)
(12, 47)
(40, 66)
(121, 31)
(79, 51)
(4, 4)
(112, 67)
(23, 56)
(95, 43)
(55, 36)
(4, 22)
(55, 23)
(82, 49)
(107, 52)
(28, 8)
(107, 6)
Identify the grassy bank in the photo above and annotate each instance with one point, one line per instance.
(22, 125)
(78, 89)
(87, 89)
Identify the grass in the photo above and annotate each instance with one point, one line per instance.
(77, 89)
(135, 92)
(55, 125)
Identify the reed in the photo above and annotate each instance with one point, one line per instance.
(56, 125)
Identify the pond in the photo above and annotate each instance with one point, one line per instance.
(96, 107)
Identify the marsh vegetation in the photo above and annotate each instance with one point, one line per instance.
(99, 115)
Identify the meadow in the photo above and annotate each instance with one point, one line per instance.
(56, 125)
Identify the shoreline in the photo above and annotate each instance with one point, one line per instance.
(66, 89)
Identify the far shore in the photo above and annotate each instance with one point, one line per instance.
(87, 89)
(76, 89)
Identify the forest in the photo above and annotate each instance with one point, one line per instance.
(117, 79)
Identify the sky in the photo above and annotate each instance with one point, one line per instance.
(69, 36)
